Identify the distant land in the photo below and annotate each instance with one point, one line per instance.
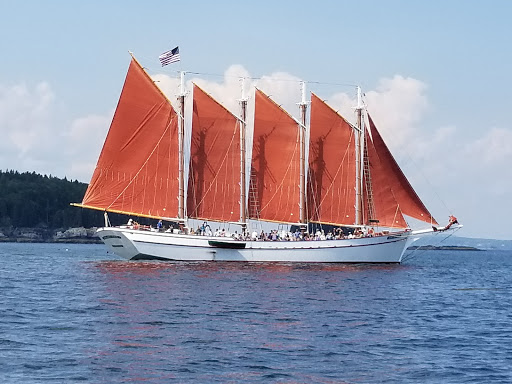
(36, 208)
(464, 242)
(30, 200)
(444, 248)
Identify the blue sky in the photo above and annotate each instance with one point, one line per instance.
(436, 74)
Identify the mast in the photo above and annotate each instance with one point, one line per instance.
(303, 108)
(359, 158)
(243, 128)
(181, 157)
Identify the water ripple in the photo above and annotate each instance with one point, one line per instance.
(74, 313)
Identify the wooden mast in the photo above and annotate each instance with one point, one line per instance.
(243, 128)
(181, 157)
(359, 158)
(302, 127)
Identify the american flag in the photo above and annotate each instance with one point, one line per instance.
(169, 57)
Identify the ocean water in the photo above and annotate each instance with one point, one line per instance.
(74, 313)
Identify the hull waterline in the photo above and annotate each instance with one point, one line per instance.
(138, 244)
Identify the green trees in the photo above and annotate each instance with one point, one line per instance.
(33, 200)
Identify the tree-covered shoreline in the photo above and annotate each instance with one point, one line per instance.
(36, 208)
(31, 200)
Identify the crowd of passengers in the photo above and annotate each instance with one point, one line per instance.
(273, 235)
(283, 235)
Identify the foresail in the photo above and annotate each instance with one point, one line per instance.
(332, 169)
(137, 171)
(214, 176)
(392, 192)
(379, 198)
(275, 169)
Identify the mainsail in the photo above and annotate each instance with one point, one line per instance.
(137, 171)
(393, 195)
(214, 176)
(332, 167)
(275, 169)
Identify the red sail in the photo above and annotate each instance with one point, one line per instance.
(137, 171)
(214, 176)
(392, 192)
(332, 168)
(275, 171)
(381, 197)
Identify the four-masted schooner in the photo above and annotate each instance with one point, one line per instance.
(350, 179)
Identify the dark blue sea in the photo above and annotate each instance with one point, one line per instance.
(75, 313)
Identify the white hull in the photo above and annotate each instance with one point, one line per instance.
(140, 244)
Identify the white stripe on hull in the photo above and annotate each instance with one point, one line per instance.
(135, 244)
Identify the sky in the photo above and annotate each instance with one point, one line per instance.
(436, 75)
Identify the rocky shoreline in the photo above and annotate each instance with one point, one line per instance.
(45, 235)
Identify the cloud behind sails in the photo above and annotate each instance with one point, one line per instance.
(26, 126)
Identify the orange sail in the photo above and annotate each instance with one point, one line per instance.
(214, 176)
(332, 168)
(392, 193)
(379, 196)
(275, 170)
(137, 171)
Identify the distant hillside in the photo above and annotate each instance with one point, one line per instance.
(456, 241)
(33, 200)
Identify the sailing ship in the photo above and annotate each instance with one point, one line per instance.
(330, 173)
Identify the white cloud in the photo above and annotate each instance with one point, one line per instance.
(35, 138)
(25, 118)
(486, 162)
(26, 126)
(229, 91)
(397, 105)
(492, 149)
(282, 87)
(84, 141)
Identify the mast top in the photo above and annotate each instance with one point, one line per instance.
(303, 92)
(360, 103)
(183, 92)
(242, 84)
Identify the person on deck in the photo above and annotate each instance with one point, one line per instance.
(452, 220)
